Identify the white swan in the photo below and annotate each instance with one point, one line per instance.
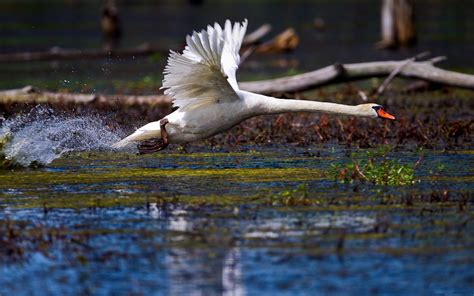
(203, 86)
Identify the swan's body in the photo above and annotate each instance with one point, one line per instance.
(203, 85)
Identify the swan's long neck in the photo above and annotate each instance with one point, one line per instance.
(270, 105)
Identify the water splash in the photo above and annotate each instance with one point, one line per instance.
(42, 135)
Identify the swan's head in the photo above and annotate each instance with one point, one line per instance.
(375, 110)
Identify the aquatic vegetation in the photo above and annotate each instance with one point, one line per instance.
(21, 239)
(410, 130)
(433, 120)
(375, 166)
(293, 197)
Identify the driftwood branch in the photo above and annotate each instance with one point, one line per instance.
(31, 94)
(333, 74)
(397, 70)
(257, 35)
(57, 53)
(350, 72)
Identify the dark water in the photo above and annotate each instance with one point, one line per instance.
(215, 223)
(351, 29)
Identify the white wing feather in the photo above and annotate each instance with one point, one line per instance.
(233, 37)
(205, 72)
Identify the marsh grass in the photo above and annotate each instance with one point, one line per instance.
(376, 167)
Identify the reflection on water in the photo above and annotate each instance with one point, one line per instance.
(232, 281)
(198, 271)
(278, 227)
(221, 270)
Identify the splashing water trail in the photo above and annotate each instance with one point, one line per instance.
(43, 135)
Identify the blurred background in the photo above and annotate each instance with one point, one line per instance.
(342, 31)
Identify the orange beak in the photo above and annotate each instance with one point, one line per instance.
(382, 114)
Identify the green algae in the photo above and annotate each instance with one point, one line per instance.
(83, 201)
(284, 200)
(20, 179)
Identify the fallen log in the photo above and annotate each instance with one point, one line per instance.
(146, 49)
(350, 72)
(425, 71)
(29, 94)
(57, 53)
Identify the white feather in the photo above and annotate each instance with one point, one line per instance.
(148, 131)
(205, 72)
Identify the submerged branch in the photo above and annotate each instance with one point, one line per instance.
(57, 53)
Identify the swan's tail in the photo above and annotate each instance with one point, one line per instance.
(146, 132)
(124, 142)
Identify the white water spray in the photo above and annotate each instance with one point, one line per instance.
(43, 135)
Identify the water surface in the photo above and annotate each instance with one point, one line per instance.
(219, 223)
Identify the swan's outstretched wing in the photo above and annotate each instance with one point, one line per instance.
(205, 72)
(233, 36)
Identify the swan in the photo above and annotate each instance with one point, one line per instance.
(202, 83)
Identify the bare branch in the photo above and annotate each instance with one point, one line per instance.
(358, 71)
(437, 60)
(30, 94)
(257, 35)
(397, 70)
(363, 96)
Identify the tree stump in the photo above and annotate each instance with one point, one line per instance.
(398, 24)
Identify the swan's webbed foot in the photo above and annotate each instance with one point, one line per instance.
(155, 145)
(151, 146)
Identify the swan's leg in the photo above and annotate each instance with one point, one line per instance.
(164, 133)
(155, 145)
